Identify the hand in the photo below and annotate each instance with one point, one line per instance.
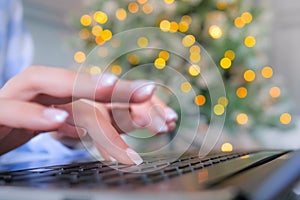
(25, 111)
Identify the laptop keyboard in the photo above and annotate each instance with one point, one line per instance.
(103, 175)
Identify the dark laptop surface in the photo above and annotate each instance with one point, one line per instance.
(239, 175)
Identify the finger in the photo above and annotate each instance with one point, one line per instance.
(169, 113)
(103, 133)
(18, 114)
(63, 84)
(103, 153)
(71, 131)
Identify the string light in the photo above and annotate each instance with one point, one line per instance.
(229, 54)
(227, 147)
(185, 87)
(215, 32)
(188, 40)
(121, 14)
(133, 7)
(200, 100)
(100, 17)
(249, 75)
(85, 20)
(95, 70)
(275, 92)
(194, 70)
(285, 118)
(242, 119)
(160, 63)
(165, 25)
(225, 63)
(250, 41)
(164, 55)
(79, 57)
(116, 69)
(267, 72)
(169, 1)
(241, 92)
(219, 109)
(142, 42)
(147, 8)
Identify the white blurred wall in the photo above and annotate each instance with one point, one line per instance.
(285, 44)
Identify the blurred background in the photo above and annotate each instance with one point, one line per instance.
(51, 24)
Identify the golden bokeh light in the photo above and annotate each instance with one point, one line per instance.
(187, 19)
(186, 87)
(106, 35)
(249, 75)
(133, 7)
(165, 25)
(194, 70)
(142, 1)
(221, 5)
(195, 49)
(174, 27)
(275, 92)
(121, 14)
(267, 72)
(183, 27)
(241, 92)
(195, 57)
(215, 32)
(223, 101)
(239, 22)
(133, 59)
(85, 20)
(188, 40)
(160, 63)
(242, 119)
(219, 109)
(169, 1)
(97, 30)
(225, 63)
(79, 57)
(95, 70)
(116, 69)
(247, 17)
(285, 118)
(142, 42)
(229, 54)
(200, 100)
(227, 147)
(84, 33)
(164, 55)
(147, 8)
(100, 17)
(250, 41)
(99, 40)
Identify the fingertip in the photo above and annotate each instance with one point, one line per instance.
(142, 90)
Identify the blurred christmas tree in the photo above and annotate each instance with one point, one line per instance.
(232, 31)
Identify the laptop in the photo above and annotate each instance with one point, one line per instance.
(260, 174)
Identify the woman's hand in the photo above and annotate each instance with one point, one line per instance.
(40, 99)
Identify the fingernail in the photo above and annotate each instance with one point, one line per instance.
(164, 129)
(55, 115)
(106, 79)
(143, 88)
(171, 114)
(81, 132)
(136, 158)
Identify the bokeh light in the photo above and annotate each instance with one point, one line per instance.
(160, 63)
(85, 20)
(200, 100)
(215, 32)
(95, 70)
(188, 40)
(194, 70)
(229, 54)
(285, 118)
(133, 7)
(275, 92)
(121, 14)
(250, 41)
(227, 147)
(267, 72)
(100, 17)
(116, 69)
(247, 17)
(219, 109)
(79, 57)
(165, 25)
(249, 75)
(186, 87)
(241, 92)
(142, 42)
(242, 118)
(164, 55)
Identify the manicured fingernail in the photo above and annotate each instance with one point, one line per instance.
(106, 79)
(55, 115)
(163, 129)
(81, 132)
(136, 158)
(143, 88)
(171, 114)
